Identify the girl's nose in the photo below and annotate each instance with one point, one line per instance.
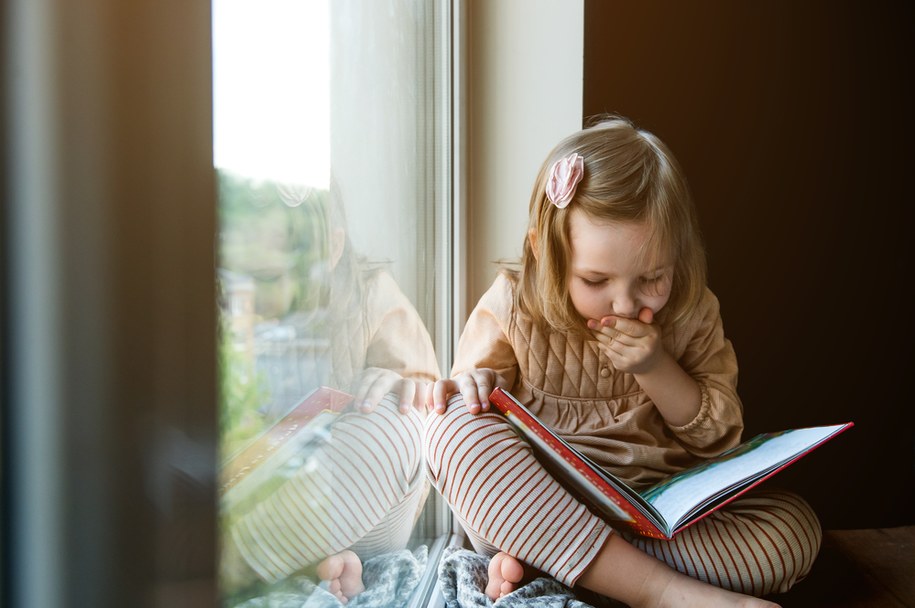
(624, 305)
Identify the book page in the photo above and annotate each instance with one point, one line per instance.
(676, 497)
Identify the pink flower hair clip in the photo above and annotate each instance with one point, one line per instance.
(563, 179)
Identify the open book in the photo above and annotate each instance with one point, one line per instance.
(680, 500)
(282, 448)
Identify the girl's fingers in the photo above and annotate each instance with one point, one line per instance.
(598, 324)
(408, 394)
(468, 387)
(441, 390)
(483, 385)
(362, 389)
(635, 327)
(375, 391)
(625, 326)
(611, 337)
(474, 386)
(610, 348)
(646, 315)
(602, 338)
(632, 327)
(430, 401)
(607, 334)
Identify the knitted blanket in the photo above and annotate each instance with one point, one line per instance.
(389, 582)
(463, 574)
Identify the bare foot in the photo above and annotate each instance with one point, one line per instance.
(624, 573)
(680, 591)
(505, 572)
(343, 573)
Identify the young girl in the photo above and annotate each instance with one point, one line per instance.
(360, 490)
(609, 334)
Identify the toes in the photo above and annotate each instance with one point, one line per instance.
(494, 585)
(330, 568)
(333, 587)
(493, 590)
(506, 588)
(351, 577)
(495, 565)
(512, 570)
(343, 575)
(504, 574)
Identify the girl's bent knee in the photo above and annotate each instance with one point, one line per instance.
(790, 535)
(473, 461)
(804, 533)
(449, 437)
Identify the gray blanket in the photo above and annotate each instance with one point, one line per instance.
(463, 574)
(389, 582)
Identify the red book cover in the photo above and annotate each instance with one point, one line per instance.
(612, 499)
(274, 443)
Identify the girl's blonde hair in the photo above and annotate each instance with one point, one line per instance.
(629, 176)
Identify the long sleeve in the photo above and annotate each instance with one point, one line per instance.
(398, 338)
(709, 358)
(484, 343)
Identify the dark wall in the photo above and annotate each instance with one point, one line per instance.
(793, 122)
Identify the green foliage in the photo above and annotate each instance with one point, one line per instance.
(277, 234)
(274, 236)
(242, 391)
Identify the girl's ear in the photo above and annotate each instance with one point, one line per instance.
(532, 238)
(337, 241)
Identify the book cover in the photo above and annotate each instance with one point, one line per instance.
(280, 444)
(679, 501)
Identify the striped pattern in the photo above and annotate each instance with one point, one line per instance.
(360, 489)
(762, 543)
(506, 501)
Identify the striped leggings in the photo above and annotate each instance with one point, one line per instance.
(761, 543)
(360, 488)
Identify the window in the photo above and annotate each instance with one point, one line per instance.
(332, 143)
(108, 327)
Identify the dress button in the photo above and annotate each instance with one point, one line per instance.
(604, 372)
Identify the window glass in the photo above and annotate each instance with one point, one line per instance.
(327, 122)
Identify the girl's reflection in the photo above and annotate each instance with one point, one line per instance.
(343, 323)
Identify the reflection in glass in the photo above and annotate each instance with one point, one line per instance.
(302, 305)
(303, 310)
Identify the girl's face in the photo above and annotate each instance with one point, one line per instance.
(605, 276)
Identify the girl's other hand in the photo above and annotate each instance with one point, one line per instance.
(632, 345)
(375, 382)
(475, 385)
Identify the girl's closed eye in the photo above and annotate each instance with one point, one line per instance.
(655, 284)
(593, 282)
